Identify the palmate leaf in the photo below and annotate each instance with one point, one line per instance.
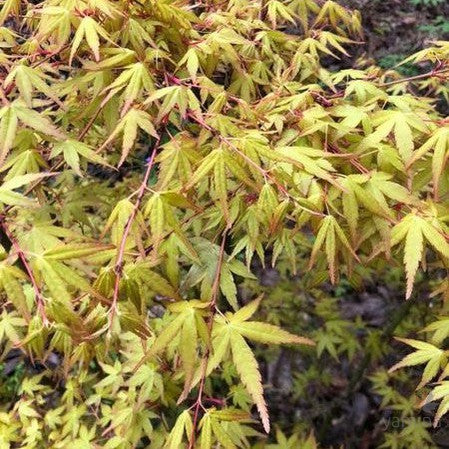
(28, 79)
(143, 273)
(312, 161)
(55, 284)
(37, 121)
(382, 188)
(117, 220)
(10, 197)
(72, 149)
(161, 210)
(204, 269)
(183, 425)
(414, 229)
(439, 143)
(328, 234)
(440, 330)
(133, 120)
(369, 192)
(441, 391)
(351, 117)
(176, 159)
(55, 24)
(433, 357)
(207, 165)
(179, 97)
(10, 282)
(8, 128)
(133, 79)
(89, 30)
(61, 279)
(187, 324)
(365, 92)
(44, 236)
(191, 61)
(16, 112)
(229, 332)
(277, 11)
(401, 124)
(250, 376)
(206, 432)
(9, 327)
(26, 162)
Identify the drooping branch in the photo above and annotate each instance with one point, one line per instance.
(118, 267)
(436, 72)
(205, 360)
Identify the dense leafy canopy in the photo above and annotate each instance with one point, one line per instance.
(150, 152)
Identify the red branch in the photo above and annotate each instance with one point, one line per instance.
(435, 72)
(212, 307)
(37, 291)
(118, 267)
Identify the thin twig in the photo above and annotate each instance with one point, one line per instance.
(21, 254)
(432, 73)
(118, 267)
(353, 160)
(435, 72)
(204, 362)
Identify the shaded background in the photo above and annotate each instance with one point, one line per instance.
(396, 28)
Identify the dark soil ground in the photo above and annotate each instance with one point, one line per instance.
(395, 29)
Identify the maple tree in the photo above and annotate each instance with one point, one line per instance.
(150, 152)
